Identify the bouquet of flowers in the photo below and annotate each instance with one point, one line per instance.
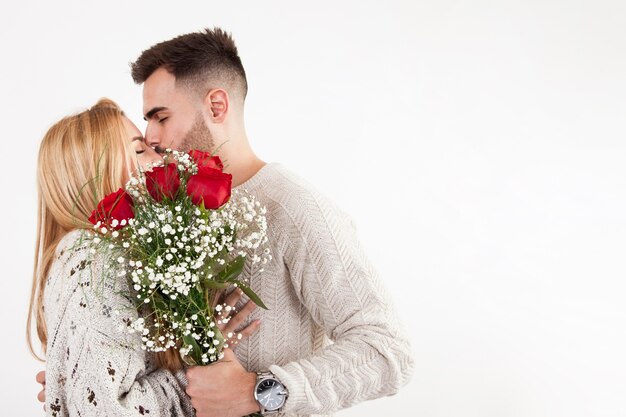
(180, 238)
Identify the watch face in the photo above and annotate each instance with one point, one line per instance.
(270, 394)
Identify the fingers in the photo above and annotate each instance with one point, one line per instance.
(229, 325)
(239, 317)
(232, 339)
(250, 329)
(233, 297)
(42, 396)
(41, 377)
(224, 309)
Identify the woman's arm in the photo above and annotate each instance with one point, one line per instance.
(233, 326)
(94, 365)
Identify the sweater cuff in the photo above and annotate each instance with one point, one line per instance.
(291, 376)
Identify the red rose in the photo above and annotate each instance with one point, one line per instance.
(205, 159)
(210, 186)
(115, 206)
(163, 182)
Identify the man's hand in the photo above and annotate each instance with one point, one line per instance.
(222, 389)
(41, 378)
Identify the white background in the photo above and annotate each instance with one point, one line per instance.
(479, 145)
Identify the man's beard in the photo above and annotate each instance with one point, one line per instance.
(198, 137)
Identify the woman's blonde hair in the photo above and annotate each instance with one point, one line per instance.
(82, 158)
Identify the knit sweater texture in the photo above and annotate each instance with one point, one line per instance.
(330, 333)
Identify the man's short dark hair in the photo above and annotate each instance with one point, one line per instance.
(195, 59)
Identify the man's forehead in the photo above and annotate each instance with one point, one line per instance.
(158, 102)
(159, 86)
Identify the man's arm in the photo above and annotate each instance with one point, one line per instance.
(371, 356)
(335, 281)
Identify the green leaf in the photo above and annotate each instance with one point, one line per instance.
(196, 352)
(232, 269)
(209, 283)
(251, 294)
(160, 303)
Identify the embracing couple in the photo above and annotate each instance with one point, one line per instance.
(330, 337)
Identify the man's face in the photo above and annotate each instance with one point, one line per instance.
(174, 119)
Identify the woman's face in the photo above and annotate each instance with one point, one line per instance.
(145, 154)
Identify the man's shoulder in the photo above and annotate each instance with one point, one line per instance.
(290, 198)
(285, 182)
(284, 188)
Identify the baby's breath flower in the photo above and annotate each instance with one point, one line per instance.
(166, 250)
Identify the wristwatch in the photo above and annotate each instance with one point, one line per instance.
(270, 393)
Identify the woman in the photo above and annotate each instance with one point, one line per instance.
(93, 366)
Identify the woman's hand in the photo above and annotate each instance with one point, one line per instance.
(41, 378)
(229, 321)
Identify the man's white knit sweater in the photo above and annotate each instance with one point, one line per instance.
(330, 334)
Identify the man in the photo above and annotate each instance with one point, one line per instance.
(329, 338)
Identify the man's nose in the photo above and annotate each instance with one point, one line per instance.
(152, 137)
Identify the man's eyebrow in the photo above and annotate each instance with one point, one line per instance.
(152, 112)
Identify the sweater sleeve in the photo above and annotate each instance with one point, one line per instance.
(371, 355)
(105, 372)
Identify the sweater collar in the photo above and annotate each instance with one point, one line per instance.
(259, 178)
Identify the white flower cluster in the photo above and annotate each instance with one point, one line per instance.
(164, 334)
(177, 256)
(246, 215)
(135, 187)
(186, 246)
(184, 162)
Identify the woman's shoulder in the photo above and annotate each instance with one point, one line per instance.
(74, 266)
(71, 251)
(75, 241)
(83, 285)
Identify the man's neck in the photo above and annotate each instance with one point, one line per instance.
(239, 159)
(246, 171)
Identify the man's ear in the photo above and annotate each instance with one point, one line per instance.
(216, 102)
